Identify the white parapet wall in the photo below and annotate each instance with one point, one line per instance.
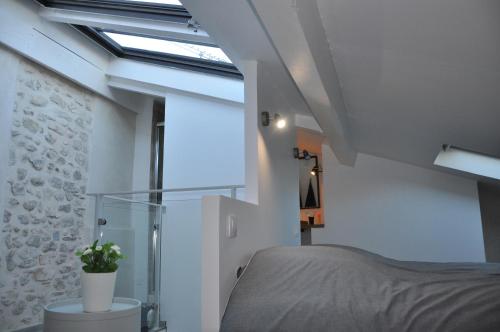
(222, 255)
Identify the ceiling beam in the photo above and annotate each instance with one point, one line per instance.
(158, 80)
(133, 25)
(296, 32)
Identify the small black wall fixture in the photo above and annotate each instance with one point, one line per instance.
(266, 120)
(297, 154)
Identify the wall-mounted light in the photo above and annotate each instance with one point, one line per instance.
(304, 154)
(316, 170)
(279, 121)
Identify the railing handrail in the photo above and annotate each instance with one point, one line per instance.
(100, 196)
(130, 200)
(172, 190)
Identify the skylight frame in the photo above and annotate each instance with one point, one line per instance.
(127, 8)
(169, 60)
(140, 9)
(468, 161)
(155, 2)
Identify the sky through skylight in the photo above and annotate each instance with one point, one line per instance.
(165, 2)
(170, 47)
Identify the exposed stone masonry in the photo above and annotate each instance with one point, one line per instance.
(45, 206)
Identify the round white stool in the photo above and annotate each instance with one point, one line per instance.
(68, 315)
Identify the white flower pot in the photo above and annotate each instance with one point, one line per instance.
(97, 291)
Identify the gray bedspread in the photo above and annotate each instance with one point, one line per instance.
(335, 288)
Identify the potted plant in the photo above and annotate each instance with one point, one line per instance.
(98, 275)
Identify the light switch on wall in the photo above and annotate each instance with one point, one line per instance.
(231, 227)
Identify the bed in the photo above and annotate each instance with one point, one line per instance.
(337, 288)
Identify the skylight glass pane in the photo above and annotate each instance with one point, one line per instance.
(169, 47)
(164, 2)
(468, 161)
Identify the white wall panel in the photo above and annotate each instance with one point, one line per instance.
(400, 211)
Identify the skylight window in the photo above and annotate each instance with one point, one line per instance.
(162, 32)
(169, 47)
(469, 162)
(164, 2)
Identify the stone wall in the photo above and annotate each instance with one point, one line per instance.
(44, 209)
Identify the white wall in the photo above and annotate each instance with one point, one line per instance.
(181, 265)
(203, 147)
(142, 148)
(115, 165)
(212, 143)
(204, 142)
(272, 185)
(120, 161)
(279, 185)
(277, 170)
(271, 172)
(157, 80)
(221, 256)
(112, 154)
(251, 132)
(400, 211)
(139, 215)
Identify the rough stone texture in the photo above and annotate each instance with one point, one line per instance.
(44, 215)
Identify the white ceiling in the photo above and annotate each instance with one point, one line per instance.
(413, 74)
(417, 73)
(235, 28)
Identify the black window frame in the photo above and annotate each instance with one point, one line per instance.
(164, 59)
(124, 8)
(172, 13)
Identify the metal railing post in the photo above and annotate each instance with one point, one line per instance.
(98, 215)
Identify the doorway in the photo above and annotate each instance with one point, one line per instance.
(308, 153)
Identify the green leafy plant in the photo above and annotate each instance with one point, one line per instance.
(100, 258)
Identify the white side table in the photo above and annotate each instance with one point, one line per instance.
(68, 315)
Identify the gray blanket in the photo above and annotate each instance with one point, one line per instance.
(334, 288)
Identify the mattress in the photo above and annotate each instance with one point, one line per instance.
(336, 288)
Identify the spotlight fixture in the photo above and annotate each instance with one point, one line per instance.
(280, 122)
(304, 155)
(316, 170)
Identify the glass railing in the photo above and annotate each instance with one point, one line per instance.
(160, 233)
